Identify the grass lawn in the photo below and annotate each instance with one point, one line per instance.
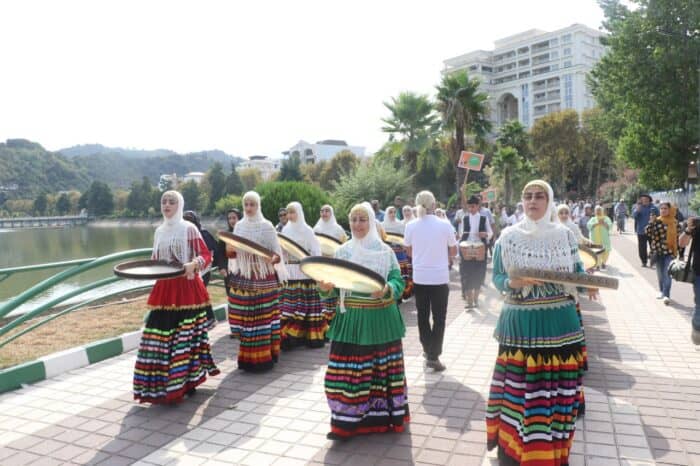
(81, 327)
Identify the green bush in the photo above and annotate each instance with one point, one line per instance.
(230, 201)
(277, 194)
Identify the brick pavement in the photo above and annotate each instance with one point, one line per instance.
(642, 391)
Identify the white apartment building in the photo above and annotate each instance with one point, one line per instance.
(322, 150)
(533, 73)
(263, 163)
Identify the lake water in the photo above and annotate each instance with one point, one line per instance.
(38, 246)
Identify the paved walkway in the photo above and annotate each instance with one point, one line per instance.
(642, 392)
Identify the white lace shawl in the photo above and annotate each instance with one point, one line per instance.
(302, 233)
(175, 240)
(370, 252)
(330, 227)
(257, 228)
(392, 226)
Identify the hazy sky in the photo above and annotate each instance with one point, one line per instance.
(247, 77)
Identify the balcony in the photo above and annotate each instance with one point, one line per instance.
(538, 86)
(539, 111)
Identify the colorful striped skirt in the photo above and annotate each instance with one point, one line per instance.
(329, 307)
(174, 355)
(406, 269)
(256, 302)
(533, 404)
(303, 321)
(366, 388)
(235, 318)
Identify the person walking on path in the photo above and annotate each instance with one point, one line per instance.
(431, 243)
(174, 355)
(599, 227)
(692, 233)
(641, 214)
(662, 232)
(620, 212)
(365, 381)
(537, 384)
(475, 228)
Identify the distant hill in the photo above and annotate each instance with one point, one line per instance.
(26, 168)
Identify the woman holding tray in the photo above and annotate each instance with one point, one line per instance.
(536, 388)
(328, 225)
(174, 356)
(392, 225)
(254, 287)
(365, 380)
(303, 320)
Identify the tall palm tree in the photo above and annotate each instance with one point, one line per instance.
(464, 110)
(413, 120)
(505, 162)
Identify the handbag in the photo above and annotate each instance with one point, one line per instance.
(681, 270)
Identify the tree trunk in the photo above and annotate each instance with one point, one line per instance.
(461, 173)
(507, 188)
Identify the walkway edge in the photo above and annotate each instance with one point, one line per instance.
(64, 361)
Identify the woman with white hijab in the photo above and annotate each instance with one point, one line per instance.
(408, 214)
(174, 355)
(564, 217)
(303, 320)
(392, 225)
(328, 225)
(540, 335)
(365, 380)
(254, 290)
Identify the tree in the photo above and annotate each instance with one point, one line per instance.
(513, 134)
(99, 199)
(193, 196)
(41, 203)
(63, 204)
(250, 177)
(342, 164)
(234, 185)
(556, 144)
(141, 195)
(464, 110)
(311, 172)
(216, 184)
(597, 159)
(276, 194)
(647, 86)
(412, 120)
(290, 170)
(506, 161)
(230, 201)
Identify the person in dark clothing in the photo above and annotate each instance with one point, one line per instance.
(282, 215)
(232, 216)
(692, 232)
(641, 219)
(192, 217)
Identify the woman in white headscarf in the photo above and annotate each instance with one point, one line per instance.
(365, 380)
(392, 225)
(540, 335)
(174, 356)
(408, 215)
(254, 290)
(328, 225)
(303, 319)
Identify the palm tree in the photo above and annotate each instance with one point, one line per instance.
(411, 118)
(513, 134)
(505, 162)
(464, 111)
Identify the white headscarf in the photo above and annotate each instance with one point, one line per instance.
(570, 224)
(370, 251)
(392, 226)
(407, 209)
(543, 244)
(256, 228)
(330, 227)
(300, 232)
(175, 239)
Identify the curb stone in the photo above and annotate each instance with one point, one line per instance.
(61, 362)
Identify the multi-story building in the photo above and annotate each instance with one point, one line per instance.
(263, 163)
(533, 73)
(322, 150)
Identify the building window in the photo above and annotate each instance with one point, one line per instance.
(567, 64)
(566, 39)
(567, 51)
(554, 55)
(524, 89)
(554, 42)
(568, 91)
(487, 69)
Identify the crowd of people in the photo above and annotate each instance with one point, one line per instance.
(536, 391)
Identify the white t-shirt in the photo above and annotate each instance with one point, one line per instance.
(429, 237)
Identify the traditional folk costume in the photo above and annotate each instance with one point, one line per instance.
(472, 271)
(254, 293)
(303, 320)
(330, 227)
(226, 261)
(397, 226)
(537, 381)
(365, 380)
(174, 355)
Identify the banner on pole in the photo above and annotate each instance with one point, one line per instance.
(470, 161)
(488, 195)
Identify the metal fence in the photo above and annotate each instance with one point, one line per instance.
(680, 197)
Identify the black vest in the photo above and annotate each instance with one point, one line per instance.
(466, 227)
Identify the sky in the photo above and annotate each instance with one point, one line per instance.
(248, 77)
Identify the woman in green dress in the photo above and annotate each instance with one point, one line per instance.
(365, 381)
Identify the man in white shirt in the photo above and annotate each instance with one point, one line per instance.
(430, 243)
(475, 228)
